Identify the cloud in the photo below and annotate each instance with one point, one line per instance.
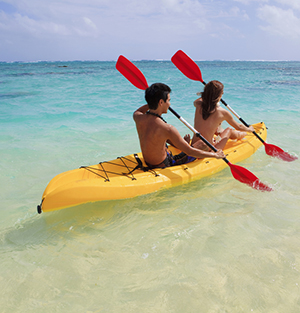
(295, 4)
(29, 25)
(87, 29)
(155, 19)
(39, 20)
(234, 13)
(279, 21)
(247, 2)
(102, 29)
(85, 18)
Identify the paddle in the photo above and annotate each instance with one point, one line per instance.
(190, 69)
(136, 77)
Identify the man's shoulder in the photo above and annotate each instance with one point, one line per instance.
(170, 130)
(137, 115)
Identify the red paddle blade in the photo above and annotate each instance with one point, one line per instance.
(246, 177)
(131, 72)
(187, 66)
(275, 151)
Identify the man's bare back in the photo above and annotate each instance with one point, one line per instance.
(153, 134)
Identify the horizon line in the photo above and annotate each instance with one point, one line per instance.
(148, 60)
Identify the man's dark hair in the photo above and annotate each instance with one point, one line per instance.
(155, 93)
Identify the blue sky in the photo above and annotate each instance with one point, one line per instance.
(32, 30)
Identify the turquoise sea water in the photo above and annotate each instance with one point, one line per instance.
(214, 245)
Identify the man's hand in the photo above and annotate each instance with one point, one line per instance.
(220, 154)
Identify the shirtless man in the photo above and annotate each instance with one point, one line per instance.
(209, 116)
(154, 132)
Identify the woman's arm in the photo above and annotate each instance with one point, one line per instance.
(238, 126)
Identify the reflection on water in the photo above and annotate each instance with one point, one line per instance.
(210, 246)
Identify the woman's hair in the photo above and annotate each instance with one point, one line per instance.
(155, 93)
(210, 97)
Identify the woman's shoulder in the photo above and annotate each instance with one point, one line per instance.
(221, 109)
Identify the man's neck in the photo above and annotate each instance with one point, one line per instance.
(155, 113)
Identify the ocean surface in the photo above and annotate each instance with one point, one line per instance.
(214, 245)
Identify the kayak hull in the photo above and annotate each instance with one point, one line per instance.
(113, 180)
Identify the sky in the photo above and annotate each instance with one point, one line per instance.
(67, 30)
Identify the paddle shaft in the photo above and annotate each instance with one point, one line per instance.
(195, 132)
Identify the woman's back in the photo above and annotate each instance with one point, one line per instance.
(207, 127)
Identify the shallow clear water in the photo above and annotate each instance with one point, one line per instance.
(214, 245)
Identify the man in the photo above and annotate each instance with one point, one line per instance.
(154, 132)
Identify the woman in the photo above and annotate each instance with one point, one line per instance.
(209, 117)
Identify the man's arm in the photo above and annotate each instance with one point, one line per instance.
(175, 137)
(142, 110)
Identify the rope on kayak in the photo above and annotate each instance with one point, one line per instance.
(142, 167)
(96, 171)
(102, 171)
(129, 171)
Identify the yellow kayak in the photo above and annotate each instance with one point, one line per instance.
(123, 177)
